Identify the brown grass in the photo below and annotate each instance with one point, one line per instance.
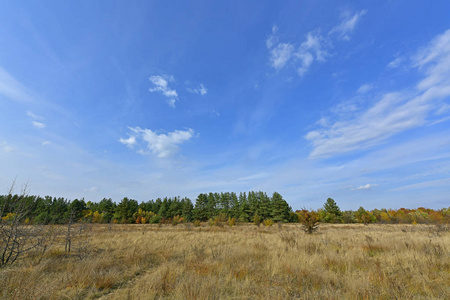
(241, 262)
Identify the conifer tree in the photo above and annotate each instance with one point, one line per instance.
(280, 208)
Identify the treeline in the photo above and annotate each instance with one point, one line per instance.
(256, 207)
(331, 213)
(244, 208)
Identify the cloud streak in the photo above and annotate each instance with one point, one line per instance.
(12, 89)
(395, 112)
(200, 90)
(365, 187)
(348, 24)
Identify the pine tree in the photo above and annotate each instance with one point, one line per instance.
(280, 208)
(234, 206)
(331, 212)
(200, 210)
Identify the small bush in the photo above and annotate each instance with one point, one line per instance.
(231, 222)
(197, 223)
(268, 222)
(309, 220)
(176, 220)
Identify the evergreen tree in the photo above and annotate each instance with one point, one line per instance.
(125, 210)
(281, 210)
(253, 203)
(76, 208)
(175, 208)
(265, 206)
(225, 203)
(187, 209)
(164, 208)
(200, 210)
(211, 209)
(106, 207)
(244, 208)
(157, 206)
(331, 212)
(234, 206)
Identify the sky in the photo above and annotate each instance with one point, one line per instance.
(147, 99)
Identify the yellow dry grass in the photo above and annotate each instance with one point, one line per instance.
(241, 262)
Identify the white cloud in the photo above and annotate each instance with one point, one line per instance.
(348, 24)
(39, 125)
(306, 60)
(423, 185)
(200, 90)
(34, 116)
(434, 60)
(364, 187)
(46, 143)
(364, 88)
(394, 112)
(395, 63)
(91, 189)
(37, 120)
(162, 145)
(130, 142)
(311, 49)
(12, 89)
(280, 55)
(254, 177)
(272, 39)
(161, 84)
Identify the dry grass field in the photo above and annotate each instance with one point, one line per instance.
(241, 262)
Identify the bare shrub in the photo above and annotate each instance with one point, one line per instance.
(16, 238)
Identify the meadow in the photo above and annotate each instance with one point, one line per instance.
(149, 261)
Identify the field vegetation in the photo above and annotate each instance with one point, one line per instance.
(249, 246)
(244, 261)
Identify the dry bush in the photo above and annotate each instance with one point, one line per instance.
(309, 220)
(268, 222)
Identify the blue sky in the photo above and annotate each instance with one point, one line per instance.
(147, 99)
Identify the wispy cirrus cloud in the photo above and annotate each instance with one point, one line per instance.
(313, 48)
(254, 176)
(37, 120)
(364, 187)
(162, 145)
(200, 90)
(161, 85)
(348, 24)
(395, 63)
(39, 125)
(13, 89)
(394, 112)
(35, 116)
(364, 88)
